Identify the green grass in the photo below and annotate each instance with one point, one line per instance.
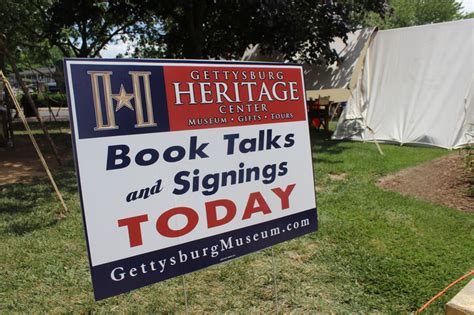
(54, 127)
(375, 251)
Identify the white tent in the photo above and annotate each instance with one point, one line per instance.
(406, 85)
(417, 86)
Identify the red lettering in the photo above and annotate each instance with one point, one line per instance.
(211, 211)
(256, 203)
(134, 229)
(284, 195)
(162, 224)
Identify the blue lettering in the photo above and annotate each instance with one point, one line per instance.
(117, 157)
(230, 142)
(180, 179)
(181, 152)
(194, 150)
(140, 157)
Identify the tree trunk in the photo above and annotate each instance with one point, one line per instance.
(194, 21)
(7, 103)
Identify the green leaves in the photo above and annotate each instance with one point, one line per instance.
(417, 12)
(300, 30)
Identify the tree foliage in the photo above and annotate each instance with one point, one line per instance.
(300, 30)
(21, 23)
(417, 12)
(469, 15)
(22, 28)
(85, 27)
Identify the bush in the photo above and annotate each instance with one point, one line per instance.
(56, 99)
(45, 99)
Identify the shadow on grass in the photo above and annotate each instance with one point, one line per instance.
(25, 208)
(321, 143)
(66, 178)
(21, 227)
(32, 206)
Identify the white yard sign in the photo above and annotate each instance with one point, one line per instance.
(182, 165)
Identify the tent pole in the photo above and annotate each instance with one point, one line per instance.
(32, 138)
(368, 72)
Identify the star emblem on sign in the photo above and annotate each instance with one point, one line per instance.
(123, 99)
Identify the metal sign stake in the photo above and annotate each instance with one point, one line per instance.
(185, 292)
(275, 289)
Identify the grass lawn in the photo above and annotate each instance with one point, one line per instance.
(375, 251)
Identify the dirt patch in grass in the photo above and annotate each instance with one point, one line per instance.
(337, 176)
(22, 163)
(443, 181)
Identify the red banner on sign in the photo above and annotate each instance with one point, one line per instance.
(223, 96)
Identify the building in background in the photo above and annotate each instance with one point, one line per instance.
(38, 79)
